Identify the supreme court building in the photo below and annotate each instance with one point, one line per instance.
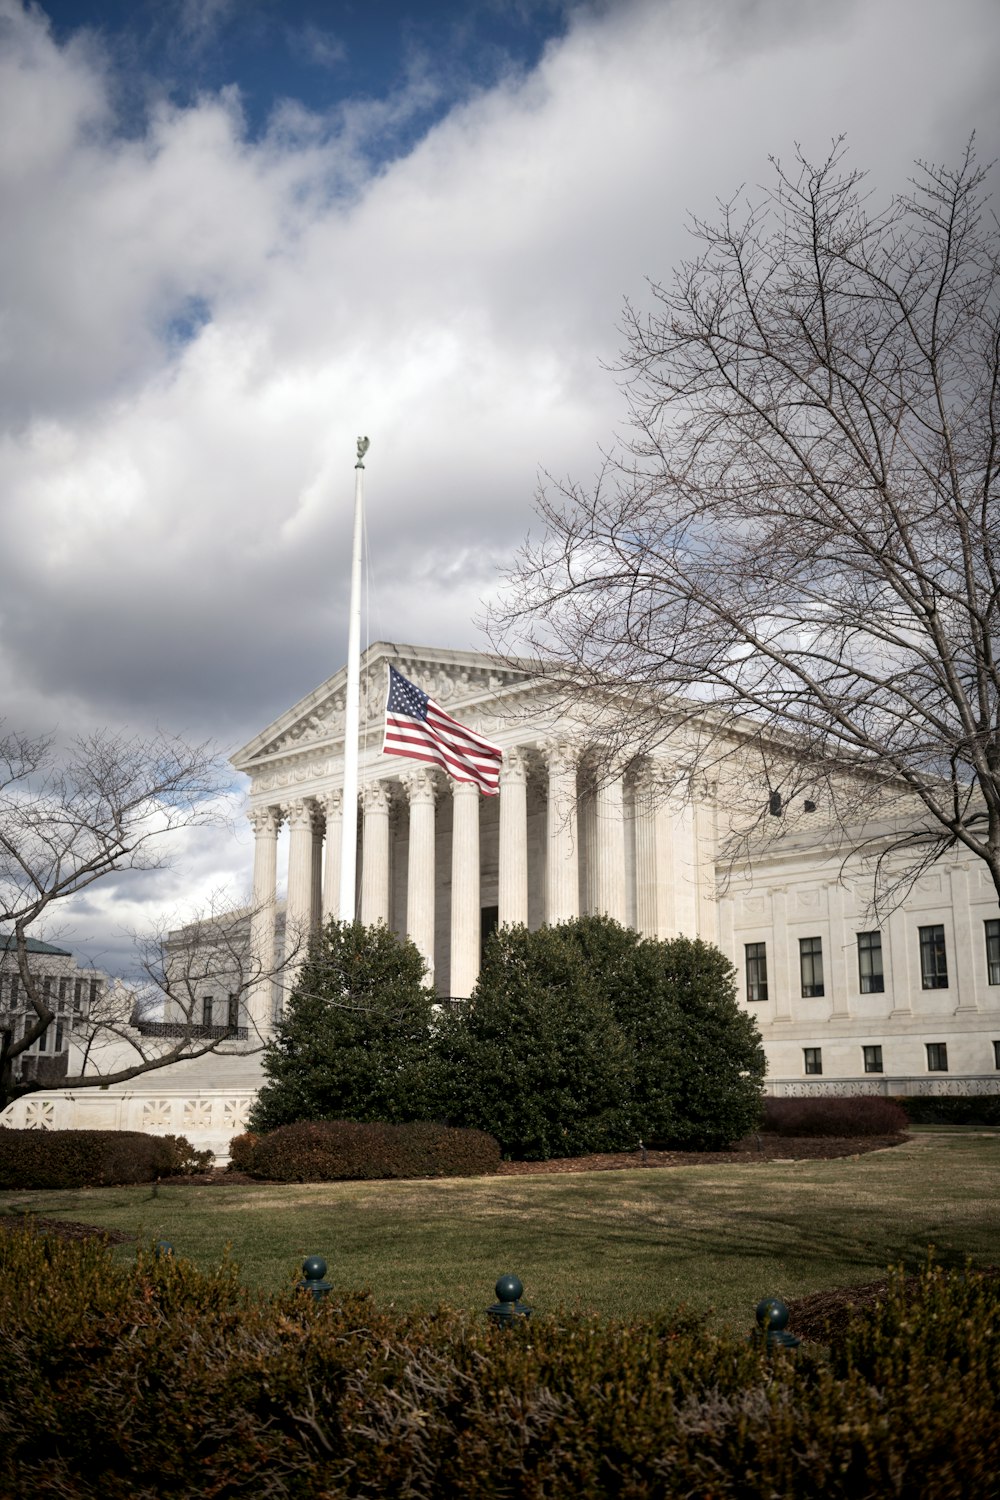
(845, 1003)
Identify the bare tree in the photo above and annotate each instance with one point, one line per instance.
(106, 806)
(799, 541)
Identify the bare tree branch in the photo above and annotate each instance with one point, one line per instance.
(798, 545)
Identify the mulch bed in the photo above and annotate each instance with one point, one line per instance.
(822, 1317)
(63, 1229)
(749, 1152)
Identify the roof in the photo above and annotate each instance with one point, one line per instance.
(35, 945)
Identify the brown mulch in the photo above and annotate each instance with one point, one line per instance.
(824, 1316)
(748, 1152)
(63, 1229)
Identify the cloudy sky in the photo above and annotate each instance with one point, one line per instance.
(236, 233)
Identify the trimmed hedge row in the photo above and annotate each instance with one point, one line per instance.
(335, 1150)
(868, 1114)
(92, 1158)
(957, 1109)
(121, 1383)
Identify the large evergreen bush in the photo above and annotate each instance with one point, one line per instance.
(586, 1037)
(353, 1041)
(536, 1057)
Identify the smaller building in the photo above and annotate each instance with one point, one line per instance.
(69, 990)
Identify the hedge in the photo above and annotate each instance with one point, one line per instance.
(868, 1114)
(131, 1382)
(91, 1158)
(334, 1150)
(955, 1109)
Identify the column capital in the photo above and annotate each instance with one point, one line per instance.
(464, 791)
(421, 787)
(332, 803)
(298, 814)
(375, 797)
(514, 770)
(265, 821)
(561, 756)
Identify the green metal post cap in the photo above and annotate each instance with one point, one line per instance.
(772, 1325)
(313, 1272)
(164, 1250)
(508, 1308)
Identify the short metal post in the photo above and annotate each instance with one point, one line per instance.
(313, 1272)
(772, 1325)
(508, 1310)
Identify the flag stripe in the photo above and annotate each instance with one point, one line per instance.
(417, 728)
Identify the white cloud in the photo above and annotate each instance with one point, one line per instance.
(194, 326)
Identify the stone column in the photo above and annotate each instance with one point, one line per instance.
(259, 1000)
(298, 917)
(609, 826)
(375, 854)
(513, 873)
(465, 914)
(647, 905)
(420, 866)
(562, 894)
(333, 805)
(316, 913)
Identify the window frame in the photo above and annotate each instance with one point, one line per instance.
(939, 1050)
(871, 982)
(992, 943)
(811, 963)
(812, 1061)
(755, 969)
(872, 1055)
(933, 956)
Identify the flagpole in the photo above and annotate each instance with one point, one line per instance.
(352, 704)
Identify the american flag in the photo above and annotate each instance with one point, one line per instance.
(416, 727)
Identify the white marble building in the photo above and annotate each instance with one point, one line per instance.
(844, 1003)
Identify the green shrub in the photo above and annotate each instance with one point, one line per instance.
(83, 1158)
(353, 1042)
(334, 1150)
(536, 1056)
(955, 1109)
(586, 1037)
(868, 1114)
(158, 1379)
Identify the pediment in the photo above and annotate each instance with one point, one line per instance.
(458, 680)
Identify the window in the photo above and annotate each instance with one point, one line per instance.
(870, 969)
(811, 965)
(63, 988)
(993, 951)
(937, 1057)
(77, 993)
(873, 1059)
(206, 1010)
(234, 1011)
(933, 958)
(996, 1054)
(756, 954)
(813, 1059)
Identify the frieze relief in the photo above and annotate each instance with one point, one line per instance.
(324, 720)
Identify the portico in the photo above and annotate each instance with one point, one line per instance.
(442, 864)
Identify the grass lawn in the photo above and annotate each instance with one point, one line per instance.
(623, 1243)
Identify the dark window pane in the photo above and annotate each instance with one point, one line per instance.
(937, 1057)
(813, 1059)
(993, 951)
(933, 958)
(873, 1059)
(870, 970)
(756, 961)
(811, 965)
